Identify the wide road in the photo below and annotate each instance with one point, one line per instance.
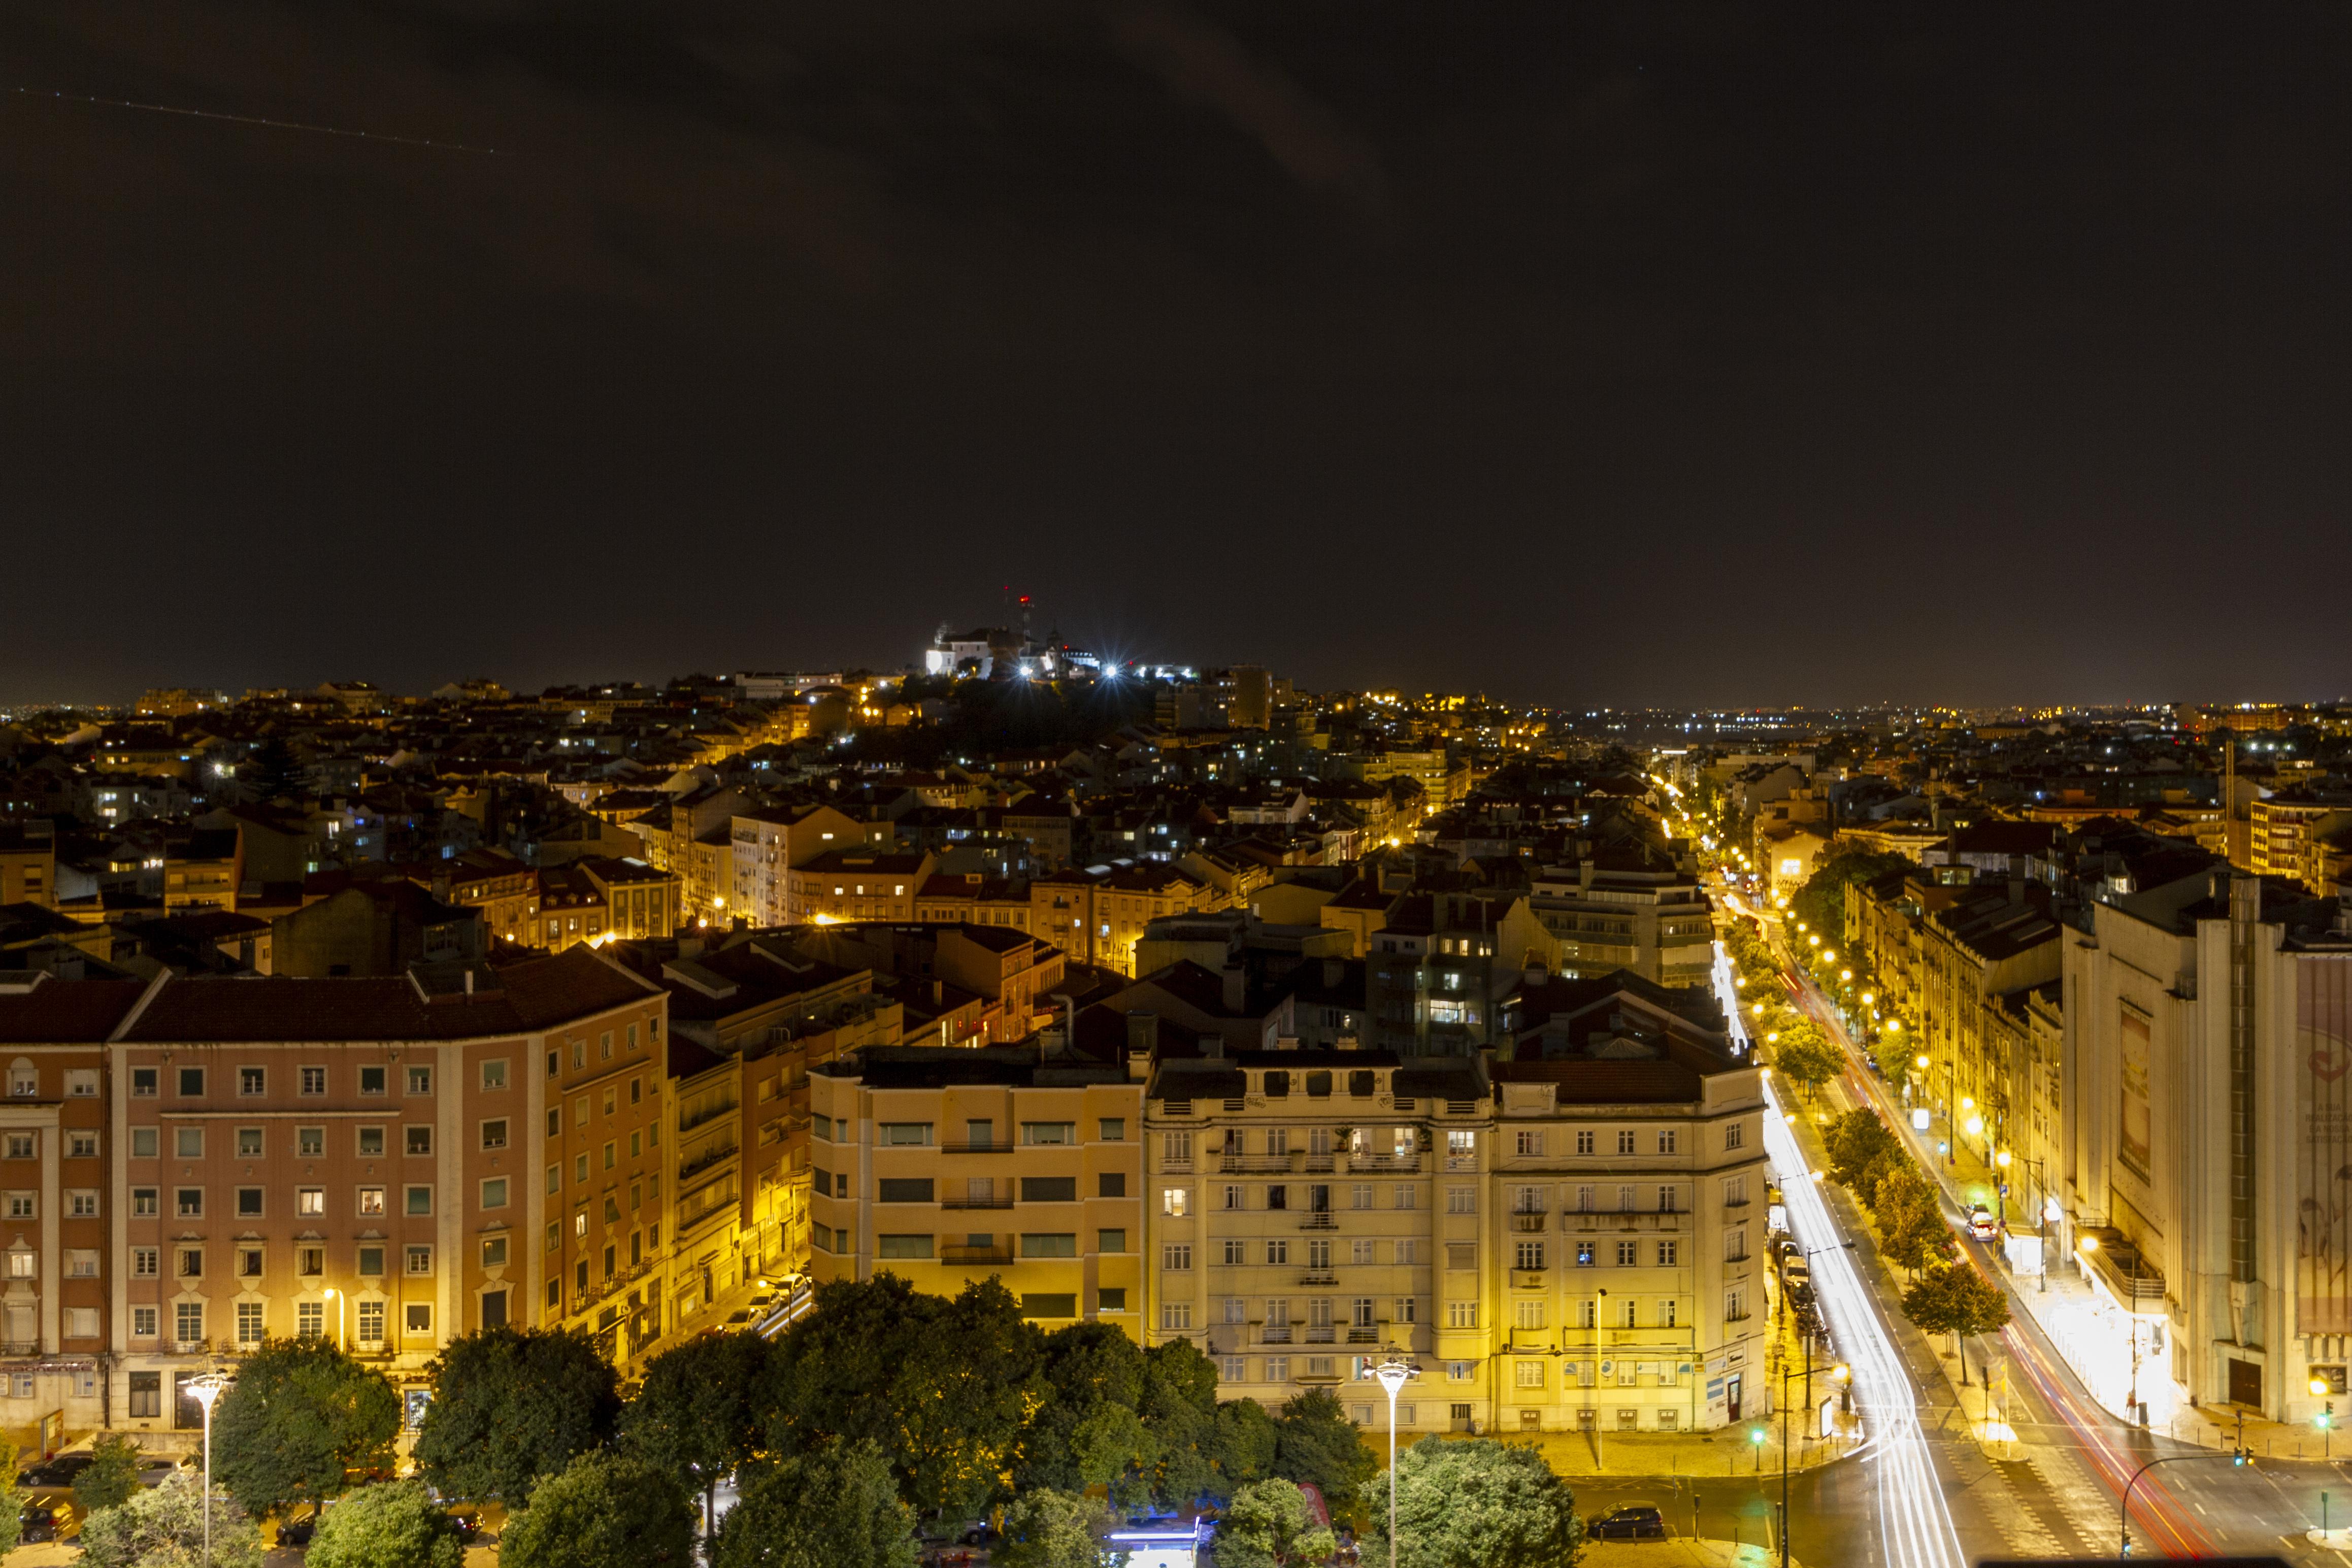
(2060, 1497)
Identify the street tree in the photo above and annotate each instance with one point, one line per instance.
(1056, 1529)
(943, 1386)
(703, 1411)
(1958, 1301)
(1474, 1505)
(1909, 1216)
(163, 1527)
(1180, 1410)
(113, 1477)
(604, 1509)
(511, 1404)
(300, 1417)
(394, 1524)
(1855, 1141)
(1804, 1057)
(1248, 1435)
(1270, 1525)
(836, 1507)
(1092, 1371)
(1315, 1444)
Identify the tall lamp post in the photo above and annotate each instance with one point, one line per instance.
(204, 1391)
(1392, 1374)
(336, 1297)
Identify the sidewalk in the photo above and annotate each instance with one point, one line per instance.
(1680, 1553)
(1724, 1452)
(2064, 1306)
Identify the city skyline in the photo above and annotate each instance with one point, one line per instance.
(1637, 358)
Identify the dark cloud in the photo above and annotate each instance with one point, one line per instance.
(1588, 353)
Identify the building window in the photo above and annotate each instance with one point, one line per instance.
(1176, 1316)
(188, 1320)
(248, 1203)
(1666, 1203)
(1528, 1374)
(1668, 1253)
(370, 1323)
(1529, 1144)
(146, 1387)
(420, 1316)
(1531, 1314)
(81, 1322)
(81, 1203)
(192, 1087)
(1668, 1140)
(1735, 1135)
(1462, 1315)
(420, 1259)
(370, 1200)
(144, 1081)
(145, 1263)
(309, 1142)
(371, 1080)
(419, 1138)
(252, 1081)
(1050, 1244)
(494, 1133)
(146, 1142)
(420, 1081)
(312, 1081)
(1666, 1310)
(494, 1192)
(1175, 1201)
(902, 1246)
(1176, 1255)
(82, 1145)
(371, 1144)
(248, 1142)
(188, 1143)
(188, 1202)
(309, 1318)
(1529, 1255)
(1461, 1200)
(145, 1203)
(494, 1071)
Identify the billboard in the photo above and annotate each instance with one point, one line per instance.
(2135, 1129)
(2322, 1073)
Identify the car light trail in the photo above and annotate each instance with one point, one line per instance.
(1915, 1526)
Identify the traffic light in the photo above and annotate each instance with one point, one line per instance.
(2238, 1458)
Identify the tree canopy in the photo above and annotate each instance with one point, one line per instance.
(1315, 1443)
(703, 1408)
(1047, 1528)
(832, 1507)
(511, 1404)
(113, 1477)
(163, 1527)
(1956, 1299)
(1821, 902)
(941, 1385)
(605, 1508)
(301, 1416)
(1857, 1141)
(1269, 1525)
(392, 1524)
(1804, 1057)
(1474, 1505)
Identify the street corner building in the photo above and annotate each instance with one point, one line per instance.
(192, 1164)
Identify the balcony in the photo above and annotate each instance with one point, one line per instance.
(991, 1147)
(1527, 1279)
(715, 1155)
(1529, 1220)
(1320, 1165)
(975, 1203)
(1256, 1165)
(1319, 1277)
(1333, 1375)
(1274, 1333)
(190, 1346)
(1392, 1164)
(706, 1113)
(1320, 1220)
(1323, 1334)
(1625, 1219)
(975, 1254)
(1364, 1336)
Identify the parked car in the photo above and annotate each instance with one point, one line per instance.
(61, 1471)
(298, 1532)
(36, 1521)
(1636, 1522)
(468, 1522)
(1981, 1223)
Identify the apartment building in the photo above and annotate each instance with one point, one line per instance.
(1630, 909)
(946, 1166)
(190, 1165)
(1098, 915)
(2284, 830)
(859, 884)
(769, 843)
(1564, 1233)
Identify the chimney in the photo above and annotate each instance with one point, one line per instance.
(1143, 1033)
(1535, 974)
(1584, 874)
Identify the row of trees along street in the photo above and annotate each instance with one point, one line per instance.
(883, 1409)
(1944, 1295)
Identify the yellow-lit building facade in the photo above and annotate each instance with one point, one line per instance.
(948, 1166)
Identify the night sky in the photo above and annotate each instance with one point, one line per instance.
(1583, 353)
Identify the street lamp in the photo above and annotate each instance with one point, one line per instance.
(1392, 1374)
(336, 1297)
(204, 1391)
